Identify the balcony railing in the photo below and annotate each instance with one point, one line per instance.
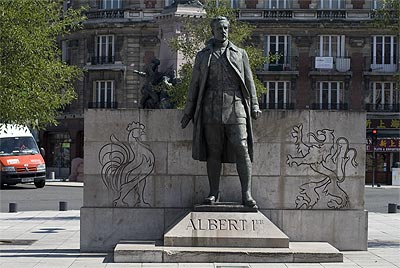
(339, 64)
(331, 14)
(103, 60)
(376, 14)
(106, 14)
(383, 107)
(282, 64)
(329, 106)
(278, 14)
(103, 105)
(381, 65)
(276, 106)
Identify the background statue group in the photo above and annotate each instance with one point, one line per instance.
(155, 89)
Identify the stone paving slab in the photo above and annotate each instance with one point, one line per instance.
(302, 252)
(57, 233)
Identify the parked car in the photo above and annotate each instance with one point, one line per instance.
(21, 161)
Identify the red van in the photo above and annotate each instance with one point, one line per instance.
(20, 158)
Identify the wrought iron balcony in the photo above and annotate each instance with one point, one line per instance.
(103, 60)
(381, 64)
(106, 14)
(282, 64)
(329, 106)
(376, 14)
(331, 14)
(278, 14)
(276, 106)
(338, 64)
(103, 105)
(383, 107)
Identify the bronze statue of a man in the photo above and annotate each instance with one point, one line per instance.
(221, 102)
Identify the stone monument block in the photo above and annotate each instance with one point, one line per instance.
(290, 183)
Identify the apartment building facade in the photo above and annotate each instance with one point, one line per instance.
(331, 57)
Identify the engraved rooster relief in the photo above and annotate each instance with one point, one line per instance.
(327, 156)
(126, 165)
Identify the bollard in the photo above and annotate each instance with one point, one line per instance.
(52, 175)
(392, 208)
(63, 206)
(12, 207)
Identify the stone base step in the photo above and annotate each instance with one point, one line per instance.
(316, 252)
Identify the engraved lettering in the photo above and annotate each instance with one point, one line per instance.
(232, 223)
(243, 224)
(200, 227)
(212, 224)
(222, 224)
(191, 225)
(256, 222)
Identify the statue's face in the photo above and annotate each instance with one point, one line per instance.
(220, 30)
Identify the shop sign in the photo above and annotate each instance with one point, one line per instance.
(385, 145)
(383, 123)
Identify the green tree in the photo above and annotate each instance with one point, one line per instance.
(197, 33)
(35, 84)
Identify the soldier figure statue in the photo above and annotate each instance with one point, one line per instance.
(221, 102)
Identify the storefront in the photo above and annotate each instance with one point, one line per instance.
(62, 144)
(386, 150)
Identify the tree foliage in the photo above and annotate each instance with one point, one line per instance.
(34, 82)
(197, 32)
(387, 15)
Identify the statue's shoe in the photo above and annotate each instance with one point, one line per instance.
(211, 199)
(249, 202)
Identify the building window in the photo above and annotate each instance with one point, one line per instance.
(168, 2)
(331, 4)
(233, 3)
(104, 50)
(110, 4)
(65, 51)
(103, 95)
(331, 46)
(383, 53)
(385, 96)
(278, 95)
(281, 4)
(377, 4)
(329, 95)
(279, 47)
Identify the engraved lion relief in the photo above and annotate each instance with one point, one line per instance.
(328, 157)
(126, 165)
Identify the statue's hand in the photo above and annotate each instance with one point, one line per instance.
(185, 120)
(256, 113)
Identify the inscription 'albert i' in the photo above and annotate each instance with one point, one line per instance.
(223, 224)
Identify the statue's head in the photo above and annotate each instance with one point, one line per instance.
(220, 28)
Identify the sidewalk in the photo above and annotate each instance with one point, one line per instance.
(64, 183)
(50, 239)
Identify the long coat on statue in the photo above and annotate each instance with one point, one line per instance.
(239, 61)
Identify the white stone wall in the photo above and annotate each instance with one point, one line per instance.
(177, 182)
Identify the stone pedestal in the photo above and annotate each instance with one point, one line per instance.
(298, 252)
(225, 234)
(226, 229)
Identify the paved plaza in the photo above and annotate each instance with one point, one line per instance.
(51, 239)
